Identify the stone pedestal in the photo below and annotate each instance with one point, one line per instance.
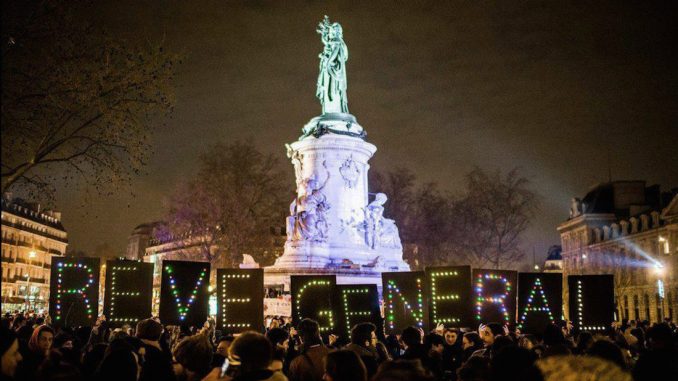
(330, 228)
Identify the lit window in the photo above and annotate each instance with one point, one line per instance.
(664, 245)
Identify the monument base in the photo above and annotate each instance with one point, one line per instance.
(276, 276)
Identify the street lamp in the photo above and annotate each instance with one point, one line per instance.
(536, 267)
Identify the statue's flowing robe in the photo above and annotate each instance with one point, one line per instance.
(332, 78)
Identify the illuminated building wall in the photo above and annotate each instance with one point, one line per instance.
(30, 238)
(628, 230)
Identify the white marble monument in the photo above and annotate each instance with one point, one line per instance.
(335, 226)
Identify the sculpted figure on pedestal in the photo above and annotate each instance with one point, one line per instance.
(307, 220)
(380, 231)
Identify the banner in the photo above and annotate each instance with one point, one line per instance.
(591, 301)
(495, 296)
(450, 296)
(128, 294)
(280, 306)
(183, 293)
(358, 303)
(74, 291)
(540, 300)
(405, 301)
(239, 300)
(312, 298)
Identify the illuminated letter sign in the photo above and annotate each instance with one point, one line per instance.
(449, 295)
(591, 301)
(129, 291)
(359, 303)
(240, 305)
(495, 296)
(74, 291)
(183, 292)
(312, 298)
(539, 300)
(404, 301)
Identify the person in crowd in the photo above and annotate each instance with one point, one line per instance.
(193, 357)
(121, 362)
(54, 368)
(513, 363)
(452, 353)
(221, 351)
(488, 333)
(476, 368)
(9, 348)
(92, 358)
(584, 342)
(402, 370)
(435, 345)
(308, 366)
(471, 342)
(280, 340)
(363, 343)
(39, 346)
(254, 353)
(609, 351)
(344, 365)
(157, 362)
(393, 346)
(658, 362)
(555, 340)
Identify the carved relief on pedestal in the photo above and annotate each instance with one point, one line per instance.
(350, 172)
(307, 220)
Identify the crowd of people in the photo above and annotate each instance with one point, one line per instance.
(33, 349)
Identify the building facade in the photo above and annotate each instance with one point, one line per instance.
(629, 230)
(30, 238)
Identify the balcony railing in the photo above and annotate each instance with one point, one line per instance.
(8, 259)
(35, 231)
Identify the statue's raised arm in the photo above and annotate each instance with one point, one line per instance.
(332, 82)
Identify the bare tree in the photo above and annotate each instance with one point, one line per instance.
(230, 207)
(77, 103)
(482, 226)
(495, 210)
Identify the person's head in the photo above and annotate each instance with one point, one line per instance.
(309, 332)
(471, 340)
(607, 350)
(475, 368)
(344, 365)
(41, 339)
(451, 336)
(659, 336)
(253, 350)
(9, 348)
(584, 340)
(489, 332)
(435, 342)
(223, 345)
(553, 335)
(513, 363)
(364, 334)
(63, 340)
(279, 338)
(411, 337)
(193, 355)
(121, 362)
(527, 341)
(149, 329)
(401, 370)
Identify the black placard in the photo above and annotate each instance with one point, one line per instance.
(357, 303)
(312, 297)
(405, 301)
(540, 301)
(128, 294)
(494, 295)
(449, 296)
(240, 305)
(184, 297)
(74, 291)
(591, 301)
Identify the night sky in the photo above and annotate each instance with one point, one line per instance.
(552, 88)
